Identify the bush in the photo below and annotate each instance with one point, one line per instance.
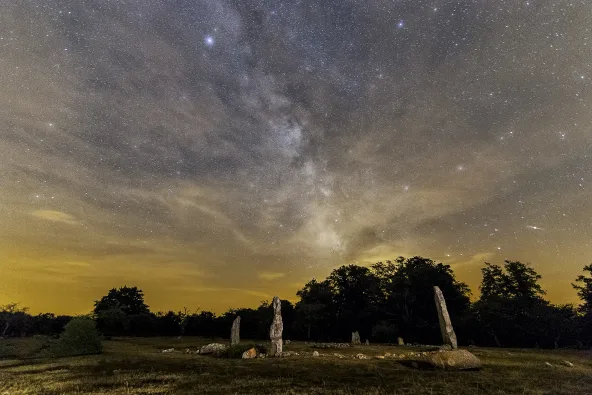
(237, 350)
(80, 337)
(384, 333)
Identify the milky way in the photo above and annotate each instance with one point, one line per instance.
(215, 153)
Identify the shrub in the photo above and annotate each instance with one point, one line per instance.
(80, 337)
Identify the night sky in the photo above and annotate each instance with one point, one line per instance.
(216, 153)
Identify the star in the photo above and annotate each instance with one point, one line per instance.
(209, 41)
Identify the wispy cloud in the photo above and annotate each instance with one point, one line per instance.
(56, 216)
(270, 276)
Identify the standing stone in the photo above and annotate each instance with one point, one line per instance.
(276, 329)
(367, 342)
(356, 338)
(235, 331)
(448, 335)
(401, 342)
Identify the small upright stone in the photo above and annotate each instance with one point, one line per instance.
(356, 338)
(235, 331)
(400, 341)
(276, 329)
(367, 342)
(448, 335)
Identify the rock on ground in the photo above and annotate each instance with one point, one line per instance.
(446, 360)
(315, 353)
(250, 353)
(212, 348)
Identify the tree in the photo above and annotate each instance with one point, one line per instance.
(15, 320)
(511, 311)
(407, 297)
(583, 285)
(355, 295)
(130, 300)
(315, 312)
(515, 280)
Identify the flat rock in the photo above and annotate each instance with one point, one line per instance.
(212, 348)
(446, 360)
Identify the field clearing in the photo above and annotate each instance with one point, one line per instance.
(137, 366)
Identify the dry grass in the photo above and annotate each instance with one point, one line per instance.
(137, 366)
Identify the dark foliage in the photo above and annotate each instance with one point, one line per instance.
(387, 300)
(80, 337)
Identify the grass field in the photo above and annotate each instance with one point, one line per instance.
(137, 366)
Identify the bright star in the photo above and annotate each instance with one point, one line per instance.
(209, 40)
(400, 25)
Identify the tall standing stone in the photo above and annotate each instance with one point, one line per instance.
(356, 338)
(235, 331)
(276, 329)
(448, 335)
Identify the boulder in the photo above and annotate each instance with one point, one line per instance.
(212, 348)
(250, 353)
(276, 329)
(448, 335)
(315, 353)
(235, 331)
(446, 360)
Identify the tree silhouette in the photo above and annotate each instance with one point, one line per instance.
(584, 287)
(130, 300)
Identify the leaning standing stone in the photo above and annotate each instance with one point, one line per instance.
(276, 329)
(448, 335)
(235, 331)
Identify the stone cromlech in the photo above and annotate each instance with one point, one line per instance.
(276, 329)
(235, 331)
(448, 335)
(356, 338)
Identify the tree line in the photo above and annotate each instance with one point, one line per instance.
(382, 302)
